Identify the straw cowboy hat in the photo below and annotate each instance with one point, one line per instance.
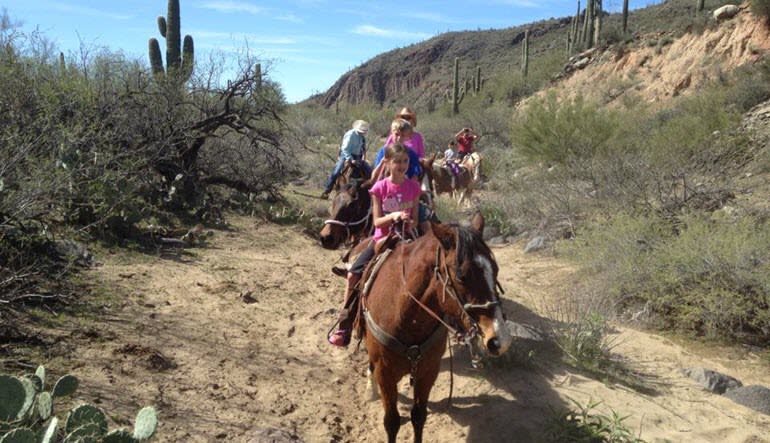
(408, 114)
(361, 126)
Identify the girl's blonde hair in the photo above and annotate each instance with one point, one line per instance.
(400, 125)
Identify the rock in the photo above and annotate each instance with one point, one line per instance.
(582, 63)
(72, 250)
(496, 241)
(273, 435)
(525, 332)
(711, 380)
(726, 12)
(755, 397)
(537, 243)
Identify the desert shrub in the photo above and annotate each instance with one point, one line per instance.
(760, 8)
(706, 276)
(749, 86)
(566, 132)
(585, 424)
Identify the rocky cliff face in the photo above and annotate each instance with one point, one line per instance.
(384, 77)
(422, 71)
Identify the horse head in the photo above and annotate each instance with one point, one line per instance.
(350, 213)
(469, 270)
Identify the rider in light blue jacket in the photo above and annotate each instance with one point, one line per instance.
(352, 149)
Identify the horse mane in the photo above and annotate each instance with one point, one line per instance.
(468, 241)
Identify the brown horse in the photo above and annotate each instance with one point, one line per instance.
(444, 281)
(442, 183)
(351, 211)
(351, 215)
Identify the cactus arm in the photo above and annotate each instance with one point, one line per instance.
(156, 61)
(162, 25)
(188, 51)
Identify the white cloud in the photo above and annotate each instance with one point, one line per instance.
(388, 33)
(227, 6)
(242, 36)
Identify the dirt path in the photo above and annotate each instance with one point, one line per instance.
(230, 338)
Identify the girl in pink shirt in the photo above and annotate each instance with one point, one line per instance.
(394, 200)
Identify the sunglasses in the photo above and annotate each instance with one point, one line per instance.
(405, 117)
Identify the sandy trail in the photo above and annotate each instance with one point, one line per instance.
(230, 338)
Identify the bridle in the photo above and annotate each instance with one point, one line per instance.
(348, 225)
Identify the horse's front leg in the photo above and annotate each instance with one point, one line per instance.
(422, 386)
(389, 394)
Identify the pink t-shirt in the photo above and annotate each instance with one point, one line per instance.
(395, 197)
(415, 143)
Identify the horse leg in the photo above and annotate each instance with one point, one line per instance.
(422, 388)
(389, 393)
(371, 384)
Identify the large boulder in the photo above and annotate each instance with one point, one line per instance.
(726, 12)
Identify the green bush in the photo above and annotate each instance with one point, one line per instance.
(760, 8)
(586, 425)
(567, 132)
(705, 276)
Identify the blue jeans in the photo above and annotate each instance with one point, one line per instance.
(338, 168)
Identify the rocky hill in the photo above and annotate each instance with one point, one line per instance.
(669, 48)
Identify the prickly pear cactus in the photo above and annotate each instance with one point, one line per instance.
(16, 397)
(119, 436)
(65, 386)
(146, 423)
(44, 405)
(21, 435)
(85, 415)
(50, 431)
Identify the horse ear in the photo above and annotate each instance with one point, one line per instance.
(432, 158)
(477, 222)
(445, 234)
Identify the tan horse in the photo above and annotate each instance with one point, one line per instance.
(444, 281)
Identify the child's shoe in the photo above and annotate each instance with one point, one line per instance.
(340, 337)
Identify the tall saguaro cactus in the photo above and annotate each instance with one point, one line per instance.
(699, 7)
(625, 16)
(598, 18)
(178, 63)
(525, 55)
(455, 86)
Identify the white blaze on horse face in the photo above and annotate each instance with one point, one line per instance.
(501, 330)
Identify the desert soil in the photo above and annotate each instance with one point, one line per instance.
(229, 338)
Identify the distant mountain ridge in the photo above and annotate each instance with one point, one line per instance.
(422, 72)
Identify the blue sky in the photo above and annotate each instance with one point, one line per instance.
(310, 43)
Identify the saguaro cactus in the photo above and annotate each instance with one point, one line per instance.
(525, 55)
(625, 16)
(477, 80)
(598, 18)
(699, 7)
(456, 87)
(177, 64)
